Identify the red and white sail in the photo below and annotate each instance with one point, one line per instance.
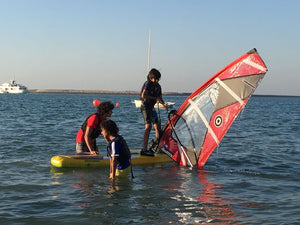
(200, 123)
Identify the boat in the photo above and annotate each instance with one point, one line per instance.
(80, 161)
(194, 131)
(13, 87)
(138, 104)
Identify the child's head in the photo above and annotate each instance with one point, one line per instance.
(105, 108)
(154, 73)
(109, 127)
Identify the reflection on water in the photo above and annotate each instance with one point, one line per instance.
(197, 200)
(215, 207)
(160, 195)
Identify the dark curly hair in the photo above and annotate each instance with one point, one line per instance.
(105, 107)
(110, 126)
(154, 73)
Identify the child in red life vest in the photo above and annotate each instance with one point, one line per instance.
(90, 129)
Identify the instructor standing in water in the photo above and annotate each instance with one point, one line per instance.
(150, 95)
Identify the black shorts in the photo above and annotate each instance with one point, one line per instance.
(150, 116)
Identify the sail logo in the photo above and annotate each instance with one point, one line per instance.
(218, 121)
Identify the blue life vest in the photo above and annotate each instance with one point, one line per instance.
(124, 154)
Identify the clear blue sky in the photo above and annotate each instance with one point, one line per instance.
(103, 45)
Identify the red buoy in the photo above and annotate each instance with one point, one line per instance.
(96, 102)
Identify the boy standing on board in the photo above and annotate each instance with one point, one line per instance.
(150, 95)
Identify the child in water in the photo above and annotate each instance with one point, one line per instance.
(117, 149)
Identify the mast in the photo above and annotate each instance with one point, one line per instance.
(149, 50)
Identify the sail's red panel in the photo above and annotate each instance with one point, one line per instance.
(227, 116)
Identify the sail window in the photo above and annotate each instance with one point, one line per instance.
(191, 128)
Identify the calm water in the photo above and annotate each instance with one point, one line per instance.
(252, 178)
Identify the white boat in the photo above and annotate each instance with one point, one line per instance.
(138, 104)
(13, 88)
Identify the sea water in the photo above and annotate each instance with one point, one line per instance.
(251, 178)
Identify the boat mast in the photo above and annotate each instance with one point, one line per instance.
(149, 49)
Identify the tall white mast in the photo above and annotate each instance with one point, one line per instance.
(149, 50)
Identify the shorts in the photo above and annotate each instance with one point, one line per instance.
(150, 116)
(81, 148)
(123, 173)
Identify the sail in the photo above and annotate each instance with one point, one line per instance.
(197, 128)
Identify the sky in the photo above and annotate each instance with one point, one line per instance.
(103, 45)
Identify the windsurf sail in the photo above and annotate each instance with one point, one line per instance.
(198, 126)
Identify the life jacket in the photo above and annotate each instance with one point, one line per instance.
(124, 154)
(96, 131)
(155, 91)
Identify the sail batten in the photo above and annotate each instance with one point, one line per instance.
(253, 64)
(200, 123)
(210, 130)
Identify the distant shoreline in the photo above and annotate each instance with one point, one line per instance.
(97, 92)
(62, 91)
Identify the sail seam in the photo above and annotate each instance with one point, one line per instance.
(230, 91)
(255, 65)
(210, 130)
(249, 84)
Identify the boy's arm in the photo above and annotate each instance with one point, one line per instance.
(112, 174)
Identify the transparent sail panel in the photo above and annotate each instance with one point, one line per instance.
(190, 128)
